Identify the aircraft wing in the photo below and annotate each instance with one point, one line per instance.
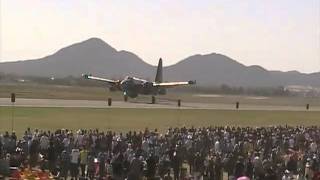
(110, 81)
(173, 84)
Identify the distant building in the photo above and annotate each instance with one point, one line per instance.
(306, 91)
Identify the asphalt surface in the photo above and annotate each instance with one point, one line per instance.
(134, 103)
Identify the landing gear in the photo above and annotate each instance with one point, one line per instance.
(125, 98)
(153, 100)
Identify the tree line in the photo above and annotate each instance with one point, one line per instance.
(214, 89)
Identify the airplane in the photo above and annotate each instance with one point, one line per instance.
(133, 86)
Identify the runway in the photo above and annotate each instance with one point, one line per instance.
(140, 104)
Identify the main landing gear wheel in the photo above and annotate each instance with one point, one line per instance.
(153, 100)
(125, 98)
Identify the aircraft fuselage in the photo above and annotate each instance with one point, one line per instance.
(132, 87)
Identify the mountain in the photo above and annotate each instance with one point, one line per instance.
(217, 69)
(92, 55)
(99, 58)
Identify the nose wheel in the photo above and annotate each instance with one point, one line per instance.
(153, 100)
(125, 98)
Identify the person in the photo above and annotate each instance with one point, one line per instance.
(151, 166)
(308, 170)
(287, 175)
(176, 164)
(300, 175)
(34, 152)
(44, 143)
(65, 162)
(265, 154)
(52, 157)
(249, 169)
(4, 167)
(239, 169)
(136, 168)
(167, 177)
(102, 165)
(117, 167)
(83, 161)
(211, 169)
(74, 162)
(91, 166)
(1, 144)
(218, 166)
(164, 166)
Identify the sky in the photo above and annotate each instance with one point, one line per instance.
(276, 34)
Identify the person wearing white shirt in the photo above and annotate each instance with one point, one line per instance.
(44, 142)
(291, 143)
(74, 160)
(145, 146)
(217, 147)
(313, 147)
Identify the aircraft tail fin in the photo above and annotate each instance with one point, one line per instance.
(159, 77)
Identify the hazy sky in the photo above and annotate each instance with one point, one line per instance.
(276, 34)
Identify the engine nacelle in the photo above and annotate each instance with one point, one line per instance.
(147, 88)
(131, 94)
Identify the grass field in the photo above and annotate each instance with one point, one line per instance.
(138, 119)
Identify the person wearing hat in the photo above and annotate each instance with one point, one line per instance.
(308, 172)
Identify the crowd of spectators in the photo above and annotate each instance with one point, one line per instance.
(261, 153)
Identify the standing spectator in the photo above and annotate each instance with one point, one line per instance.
(83, 161)
(4, 167)
(52, 157)
(136, 168)
(218, 168)
(74, 162)
(176, 164)
(249, 169)
(91, 166)
(102, 165)
(239, 169)
(151, 166)
(44, 143)
(65, 164)
(34, 152)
